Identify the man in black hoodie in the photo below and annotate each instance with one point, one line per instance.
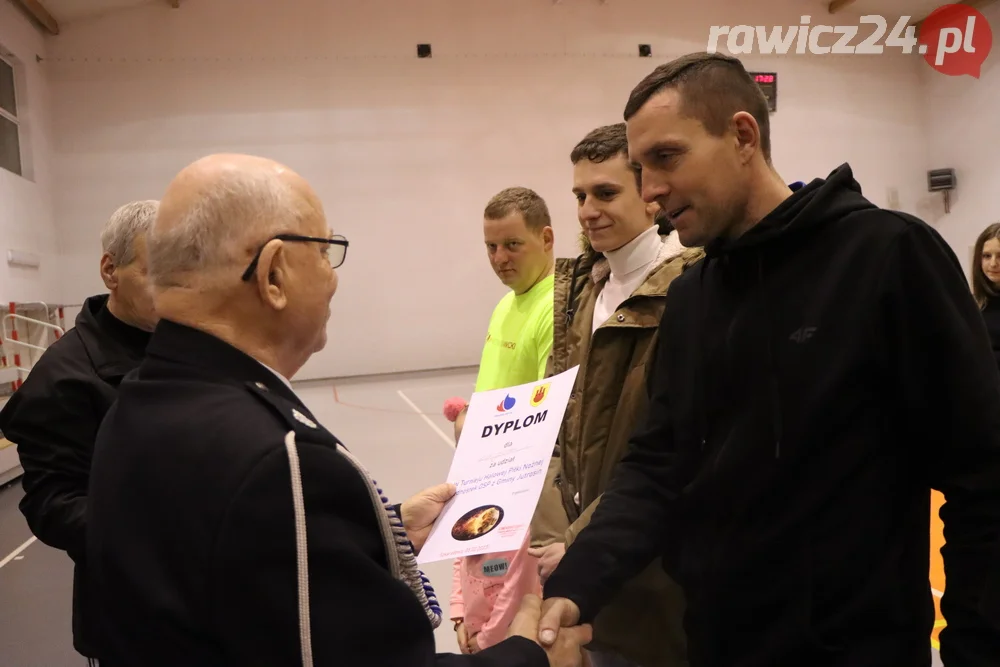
(818, 373)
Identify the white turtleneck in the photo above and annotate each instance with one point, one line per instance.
(629, 265)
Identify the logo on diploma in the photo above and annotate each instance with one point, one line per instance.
(540, 394)
(507, 404)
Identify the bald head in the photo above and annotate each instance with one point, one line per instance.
(240, 250)
(218, 206)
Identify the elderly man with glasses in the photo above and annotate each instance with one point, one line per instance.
(228, 527)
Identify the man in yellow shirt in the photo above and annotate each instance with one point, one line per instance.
(518, 234)
(517, 230)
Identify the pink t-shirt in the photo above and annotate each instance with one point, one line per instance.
(487, 591)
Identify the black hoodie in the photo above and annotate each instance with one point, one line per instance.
(816, 378)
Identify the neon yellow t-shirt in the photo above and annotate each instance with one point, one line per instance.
(519, 339)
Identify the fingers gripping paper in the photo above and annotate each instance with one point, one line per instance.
(499, 468)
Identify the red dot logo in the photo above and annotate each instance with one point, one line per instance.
(955, 40)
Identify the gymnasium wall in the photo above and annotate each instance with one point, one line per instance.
(26, 218)
(405, 152)
(962, 133)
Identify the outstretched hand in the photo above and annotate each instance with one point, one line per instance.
(421, 511)
(566, 649)
(557, 614)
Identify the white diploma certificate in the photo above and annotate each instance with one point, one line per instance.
(499, 468)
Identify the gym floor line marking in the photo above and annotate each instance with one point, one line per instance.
(336, 399)
(14, 554)
(423, 415)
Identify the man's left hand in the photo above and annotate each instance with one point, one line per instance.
(421, 511)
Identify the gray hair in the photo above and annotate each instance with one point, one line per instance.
(125, 224)
(224, 216)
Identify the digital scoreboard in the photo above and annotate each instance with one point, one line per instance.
(768, 82)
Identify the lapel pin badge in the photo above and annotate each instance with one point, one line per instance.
(301, 418)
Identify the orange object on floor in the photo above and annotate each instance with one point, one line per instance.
(937, 564)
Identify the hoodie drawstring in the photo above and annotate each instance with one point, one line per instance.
(772, 371)
(702, 393)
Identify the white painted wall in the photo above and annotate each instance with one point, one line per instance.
(26, 218)
(962, 132)
(405, 152)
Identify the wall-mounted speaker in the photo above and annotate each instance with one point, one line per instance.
(942, 180)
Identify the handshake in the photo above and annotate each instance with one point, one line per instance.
(553, 625)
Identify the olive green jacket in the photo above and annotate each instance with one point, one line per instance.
(644, 622)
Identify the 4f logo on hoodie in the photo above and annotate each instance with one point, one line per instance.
(803, 334)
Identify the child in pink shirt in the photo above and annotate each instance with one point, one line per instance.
(486, 593)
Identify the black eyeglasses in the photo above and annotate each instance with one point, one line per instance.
(338, 249)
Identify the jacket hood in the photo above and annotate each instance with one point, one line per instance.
(571, 273)
(810, 206)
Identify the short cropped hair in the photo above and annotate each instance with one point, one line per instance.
(124, 226)
(225, 216)
(713, 87)
(604, 143)
(525, 201)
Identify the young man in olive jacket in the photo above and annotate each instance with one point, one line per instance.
(54, 417)
(608, 305)
(818, 373)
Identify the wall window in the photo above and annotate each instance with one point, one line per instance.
(10, 129)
